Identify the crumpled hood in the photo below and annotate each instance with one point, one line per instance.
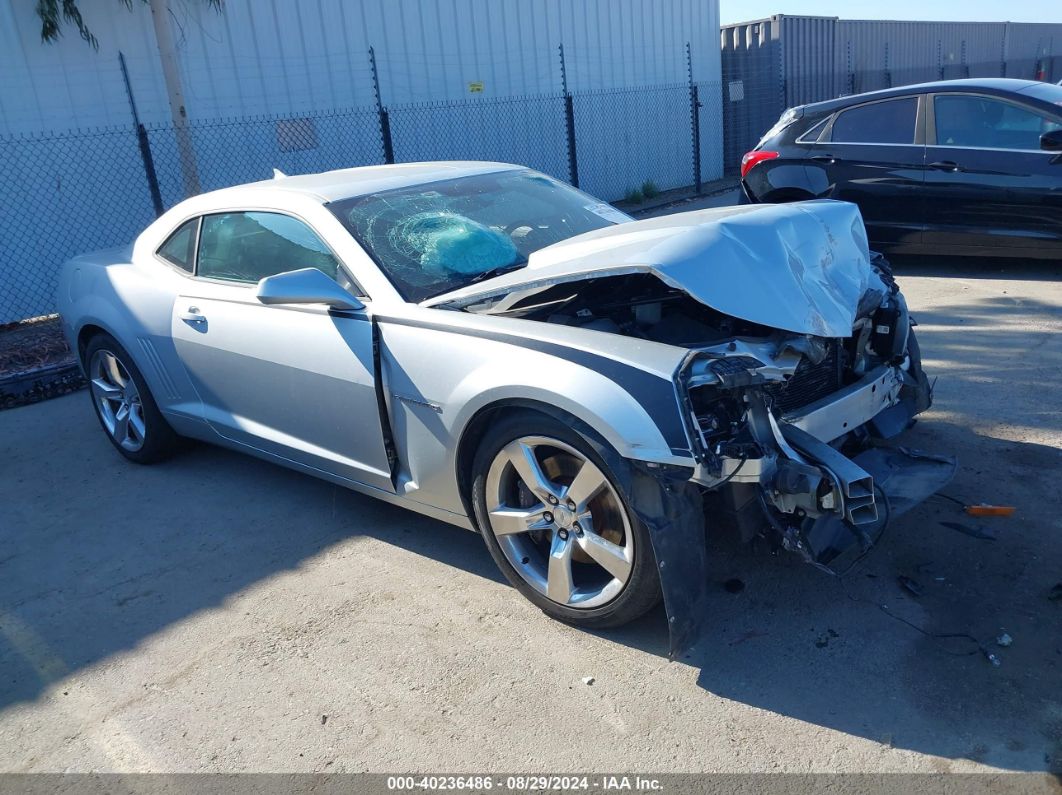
(799, 267)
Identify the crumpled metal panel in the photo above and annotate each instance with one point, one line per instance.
(799, 267)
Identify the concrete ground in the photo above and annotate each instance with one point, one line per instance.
(216, 613)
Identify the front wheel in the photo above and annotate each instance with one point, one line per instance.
(124, 406)
(558, 527)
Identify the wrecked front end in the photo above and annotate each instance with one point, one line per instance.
(796, 441)
(795, 436)
(801, 372)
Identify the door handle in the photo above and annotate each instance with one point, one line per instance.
(192, 315)
(827, 159)
(946, 165)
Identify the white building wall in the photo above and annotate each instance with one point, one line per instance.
(292, 56)
(71, 174)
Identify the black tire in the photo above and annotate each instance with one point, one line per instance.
(642, 590)
(159, 439)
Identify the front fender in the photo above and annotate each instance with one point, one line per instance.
(625, 423)
(437, 380)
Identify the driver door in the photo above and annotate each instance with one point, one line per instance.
(988, 182)
(294, 381)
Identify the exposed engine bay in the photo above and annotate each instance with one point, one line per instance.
(791, 429)
(638, 305)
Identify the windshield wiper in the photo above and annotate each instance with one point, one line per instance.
(502, 269)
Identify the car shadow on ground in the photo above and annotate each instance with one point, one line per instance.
(897, 650)
(976, 267)
(869, 656)
(99, 555)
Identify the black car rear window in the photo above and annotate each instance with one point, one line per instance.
(890, 122)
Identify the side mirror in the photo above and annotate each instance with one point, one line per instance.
(305, 286)
(1051, 141)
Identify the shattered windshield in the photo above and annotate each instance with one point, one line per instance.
(433, 238)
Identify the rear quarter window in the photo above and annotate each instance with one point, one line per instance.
(179, 248)
(888, 122)
(812, 135)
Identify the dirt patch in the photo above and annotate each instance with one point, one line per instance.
(31, 344)
(35, 362)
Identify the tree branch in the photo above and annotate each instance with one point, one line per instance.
(53, 14)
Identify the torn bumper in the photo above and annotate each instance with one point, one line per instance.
(824, 481)
(901, 479)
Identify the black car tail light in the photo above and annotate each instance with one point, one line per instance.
(754, 158)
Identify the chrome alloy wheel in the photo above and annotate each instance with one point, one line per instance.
(117, 400)
(559, 522)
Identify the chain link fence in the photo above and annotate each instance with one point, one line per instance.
(528, 130)
(625, 142)
(69, 194)
(234, 151)
(85, 190)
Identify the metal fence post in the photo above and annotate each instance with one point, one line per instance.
(695, 120)
(381, 112)
(573, 158)
(144, 143)
(695, 110)
(385, 134)
(149, 170)
(569, 122)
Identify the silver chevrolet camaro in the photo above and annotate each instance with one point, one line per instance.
(491, 347)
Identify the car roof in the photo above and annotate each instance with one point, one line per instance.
(347, 183)
(972, 84)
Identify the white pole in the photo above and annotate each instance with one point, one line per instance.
(160, 14)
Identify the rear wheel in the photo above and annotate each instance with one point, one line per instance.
(558, 527)
(124, 405)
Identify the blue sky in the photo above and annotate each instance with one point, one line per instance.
(949, 10)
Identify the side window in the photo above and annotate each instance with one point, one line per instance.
(812, 135)
(179, 248)
(889, 122)
(980, 122)
(246, 247)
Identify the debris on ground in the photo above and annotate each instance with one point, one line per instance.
(912, 586)
(588, 680)
(992, 658)
(973, 532)
(824, 640)
(752, 633)
(1004, 640)
(990, 510)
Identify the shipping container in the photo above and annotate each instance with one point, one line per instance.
(772, 64)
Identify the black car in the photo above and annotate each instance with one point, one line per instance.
(954, 167)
